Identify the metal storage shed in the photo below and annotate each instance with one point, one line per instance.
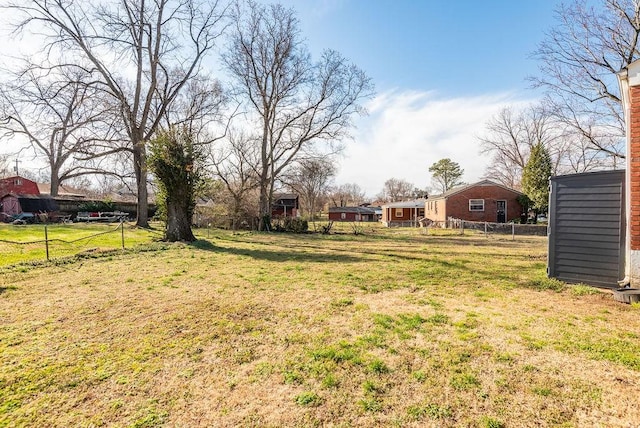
(587, 227)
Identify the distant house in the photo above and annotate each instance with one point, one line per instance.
(19, 194)
(404, 214)
(352, 214)
(285, 205)
(481, 201)
(63, 191)
(18, 186)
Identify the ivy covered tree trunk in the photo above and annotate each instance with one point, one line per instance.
(175, 161)
(179, 217)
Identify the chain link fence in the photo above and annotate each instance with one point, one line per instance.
(513, 229)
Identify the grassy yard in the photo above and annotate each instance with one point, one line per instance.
(390, 328)
(19, 243)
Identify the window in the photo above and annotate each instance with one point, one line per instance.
(399, 212)
(343, 215)
(476, 204)
(18, 182)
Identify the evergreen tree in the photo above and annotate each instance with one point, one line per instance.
(535, 178)
(446, 174)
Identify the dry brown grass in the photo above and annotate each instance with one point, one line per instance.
(393, 329)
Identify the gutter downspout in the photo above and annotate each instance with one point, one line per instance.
(623, 82)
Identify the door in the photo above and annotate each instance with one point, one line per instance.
(501, 211)
(11, 205)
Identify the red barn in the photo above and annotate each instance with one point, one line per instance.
(481, 201)
(18, 195)
(18, 186)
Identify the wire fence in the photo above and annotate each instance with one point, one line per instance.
(63, 240)
(488, 228)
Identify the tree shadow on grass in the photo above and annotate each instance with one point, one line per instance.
(6, 288)
(275, 254)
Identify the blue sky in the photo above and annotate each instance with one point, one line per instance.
(441, 69)
(456, 47)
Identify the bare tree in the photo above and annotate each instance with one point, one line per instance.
(4, 165)
(310, 178)
(235, 164)
(396, 189)
(198, 109)
(145, 52)
(295, 102)
(345, 195)
(62, 117)
(578, 62)
(511, 135)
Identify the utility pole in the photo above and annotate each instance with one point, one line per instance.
(16, 167)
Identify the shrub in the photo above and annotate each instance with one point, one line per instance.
(290, 225)
(102, 206)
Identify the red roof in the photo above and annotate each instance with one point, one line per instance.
(18, 186)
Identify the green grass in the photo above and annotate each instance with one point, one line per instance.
(26, 243)
(390, 328)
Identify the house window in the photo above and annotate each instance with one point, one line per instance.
(343, 215)
(18, 182)
(399, 212)
(476, 204)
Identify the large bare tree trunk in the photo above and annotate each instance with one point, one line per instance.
(140, 166)
(178, 222)
(265, 207)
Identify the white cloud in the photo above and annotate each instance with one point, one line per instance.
(407, 131)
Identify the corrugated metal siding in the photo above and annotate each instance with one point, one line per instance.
(586, 228)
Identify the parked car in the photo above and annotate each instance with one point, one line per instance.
(23, 218)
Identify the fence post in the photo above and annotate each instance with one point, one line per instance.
(513, 231)
(485, 230)
(461, 227)
(122, 233)
(46, 240)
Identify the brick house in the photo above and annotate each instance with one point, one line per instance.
(404, 214)
(352, 214)
(481, 201)
(629, 80)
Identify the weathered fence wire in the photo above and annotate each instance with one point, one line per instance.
(47, 242)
